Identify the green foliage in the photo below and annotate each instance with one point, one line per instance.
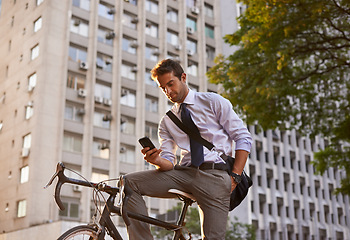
(240, 231)
(192, 223)
(292, 70)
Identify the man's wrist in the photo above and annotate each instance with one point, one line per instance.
(236, 177)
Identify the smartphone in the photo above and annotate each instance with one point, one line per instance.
(146, 142)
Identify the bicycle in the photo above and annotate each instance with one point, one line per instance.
(98, 229)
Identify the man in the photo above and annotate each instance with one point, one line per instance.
(210, 184)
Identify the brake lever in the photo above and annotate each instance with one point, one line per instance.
(59, 168)
(61, 180)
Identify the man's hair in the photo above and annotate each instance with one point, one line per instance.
(167, 66)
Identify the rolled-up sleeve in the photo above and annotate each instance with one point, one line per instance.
(233, 125)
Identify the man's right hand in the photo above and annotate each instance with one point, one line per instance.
(152, 156)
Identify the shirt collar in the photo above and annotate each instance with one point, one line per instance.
(189, 100)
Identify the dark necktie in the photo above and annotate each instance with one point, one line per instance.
(197, 157)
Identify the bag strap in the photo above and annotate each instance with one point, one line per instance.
(196, 137)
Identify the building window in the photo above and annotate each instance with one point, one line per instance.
(79, 26)
(209, 31)
(38, 2)
(27, 141)
(101, 120)
(106, 11)
(97, 177)
(104, 62)
(34, 52)
(191, 24)
(105, 35)
(128, 98)
(75, 81)
(127, 125)
(268, 182)
(72, 142)
(259, 181)
(32, 81)
(38, 24)
(151, 104)
(127, 154)
(83, 4)
(130, 20)
(29, 110)
(151, 29)
(73, 113)
(191, 46)
(210, 53)
(71, 209)
(151, 131)
(172, 38)
(172, 15)
(286, 186)
(191, 3)
(149, 80)
(133, 2)
(129, 45)
(128, 71)
(270, 208)
(100, 149)
(77, 54)
(151, 53)
(192, 69)
(151, 6)
(103, 91)
(208, 10)
(24, 174)
(21, 208)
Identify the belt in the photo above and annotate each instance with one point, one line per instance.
(207, 166)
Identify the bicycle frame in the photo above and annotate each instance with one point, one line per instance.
(105, 221)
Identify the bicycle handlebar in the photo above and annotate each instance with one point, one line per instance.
(62, 179)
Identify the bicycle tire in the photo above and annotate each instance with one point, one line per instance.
(83, 232)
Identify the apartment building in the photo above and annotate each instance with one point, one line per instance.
(75, 87)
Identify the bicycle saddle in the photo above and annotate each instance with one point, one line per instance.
(182, 193)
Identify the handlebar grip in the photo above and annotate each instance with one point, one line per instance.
(124, 212)
(57, 195)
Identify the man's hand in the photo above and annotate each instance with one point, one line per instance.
(152, 156)
(233, 184)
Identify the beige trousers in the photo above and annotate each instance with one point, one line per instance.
(211, 188)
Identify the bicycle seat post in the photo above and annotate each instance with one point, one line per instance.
(188, 199)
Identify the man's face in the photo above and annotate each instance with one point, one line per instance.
(174, 88)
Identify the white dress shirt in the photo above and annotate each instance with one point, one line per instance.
(217, 123)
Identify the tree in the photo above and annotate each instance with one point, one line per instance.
(239, 231)
(192, 223)
(292, 70)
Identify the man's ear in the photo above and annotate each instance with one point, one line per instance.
(183, 77)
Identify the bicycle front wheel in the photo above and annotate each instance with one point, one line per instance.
(80, 232)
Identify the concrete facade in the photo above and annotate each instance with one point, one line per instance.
(74, 87)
